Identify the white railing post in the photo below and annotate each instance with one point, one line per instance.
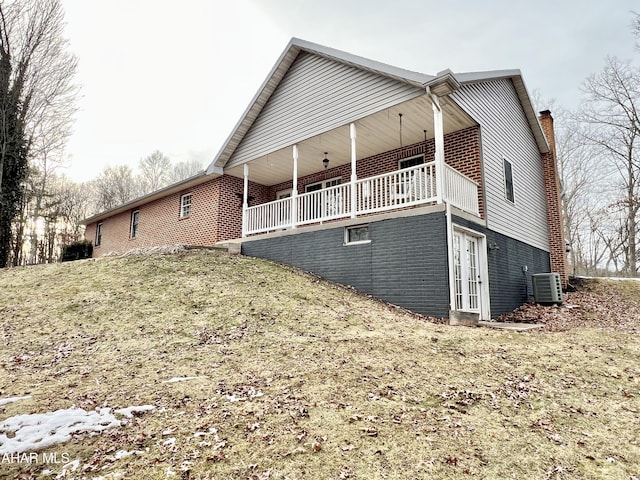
(438, 131)
(294, 190)
(245, 196)
(354, 175)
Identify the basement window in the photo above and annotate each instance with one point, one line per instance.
(508, 180)
(356, 235)
(185, 205)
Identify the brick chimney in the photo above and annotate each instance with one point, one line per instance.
(555, 222)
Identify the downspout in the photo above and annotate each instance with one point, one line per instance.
(450, 259)
(438, 131)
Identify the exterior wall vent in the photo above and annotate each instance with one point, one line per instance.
(547, 288)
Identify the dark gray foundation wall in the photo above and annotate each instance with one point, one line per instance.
(405, 263)
(509, 285)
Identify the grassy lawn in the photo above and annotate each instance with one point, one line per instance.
(296, 378)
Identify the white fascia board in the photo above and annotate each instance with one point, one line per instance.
(414, 78)
(280, 69)
(192, 181)
(255, 106)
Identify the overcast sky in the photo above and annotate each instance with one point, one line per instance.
(176, 76)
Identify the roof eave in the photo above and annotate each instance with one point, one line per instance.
(192, 181)
(278, 71)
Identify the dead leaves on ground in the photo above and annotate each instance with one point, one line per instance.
(592, 306)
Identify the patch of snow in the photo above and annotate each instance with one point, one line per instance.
(129, 411)
(251, 394)
(124, 453)
(69, 467)
(30, 432)
(169, 441)
(212, 431)
(181, 379)
(232, 398)
(41, 430)
(114, 475)
(4, 401)
(635, 279)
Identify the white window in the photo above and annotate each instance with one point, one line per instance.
(411, 162)
(326, 204)
(508, 180)
(185, 205)
(313, 187)
(98, 234)
(133, 230)
(357, 234)
(284, 193)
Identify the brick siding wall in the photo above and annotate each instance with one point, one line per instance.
(461, 151)
(216, 208)
(229, 218)
(557, 243)
(160, 222)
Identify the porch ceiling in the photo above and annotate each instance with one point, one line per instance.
(376, 133)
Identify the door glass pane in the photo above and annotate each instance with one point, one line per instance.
(457, 266)
(466, 273)
(472, 270)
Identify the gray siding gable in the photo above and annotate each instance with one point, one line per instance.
(316, 95)
(506, 133)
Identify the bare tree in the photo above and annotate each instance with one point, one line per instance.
(155, 171)
(185, 169)
(635, 28)
(611, 118)
(582, 191)
(36, 94)
(114, 186)
(76, 203)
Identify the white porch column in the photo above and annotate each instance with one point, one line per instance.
(294, 189)
(354, 175)
(245, 201)
(438, 131)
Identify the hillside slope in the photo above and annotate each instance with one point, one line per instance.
(248, 370)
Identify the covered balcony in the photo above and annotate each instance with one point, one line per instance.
(401, 149)
(408, 187)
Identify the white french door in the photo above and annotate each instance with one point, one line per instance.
(467, 273)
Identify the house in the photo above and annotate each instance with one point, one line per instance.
(439, 193)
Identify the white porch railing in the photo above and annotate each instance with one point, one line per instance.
(401, 188)
(460, 190)
(326, 204)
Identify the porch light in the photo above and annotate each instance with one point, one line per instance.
(325, 162)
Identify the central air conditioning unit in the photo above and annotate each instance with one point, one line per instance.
(547, 288)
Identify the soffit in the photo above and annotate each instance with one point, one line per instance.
(375, 134)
